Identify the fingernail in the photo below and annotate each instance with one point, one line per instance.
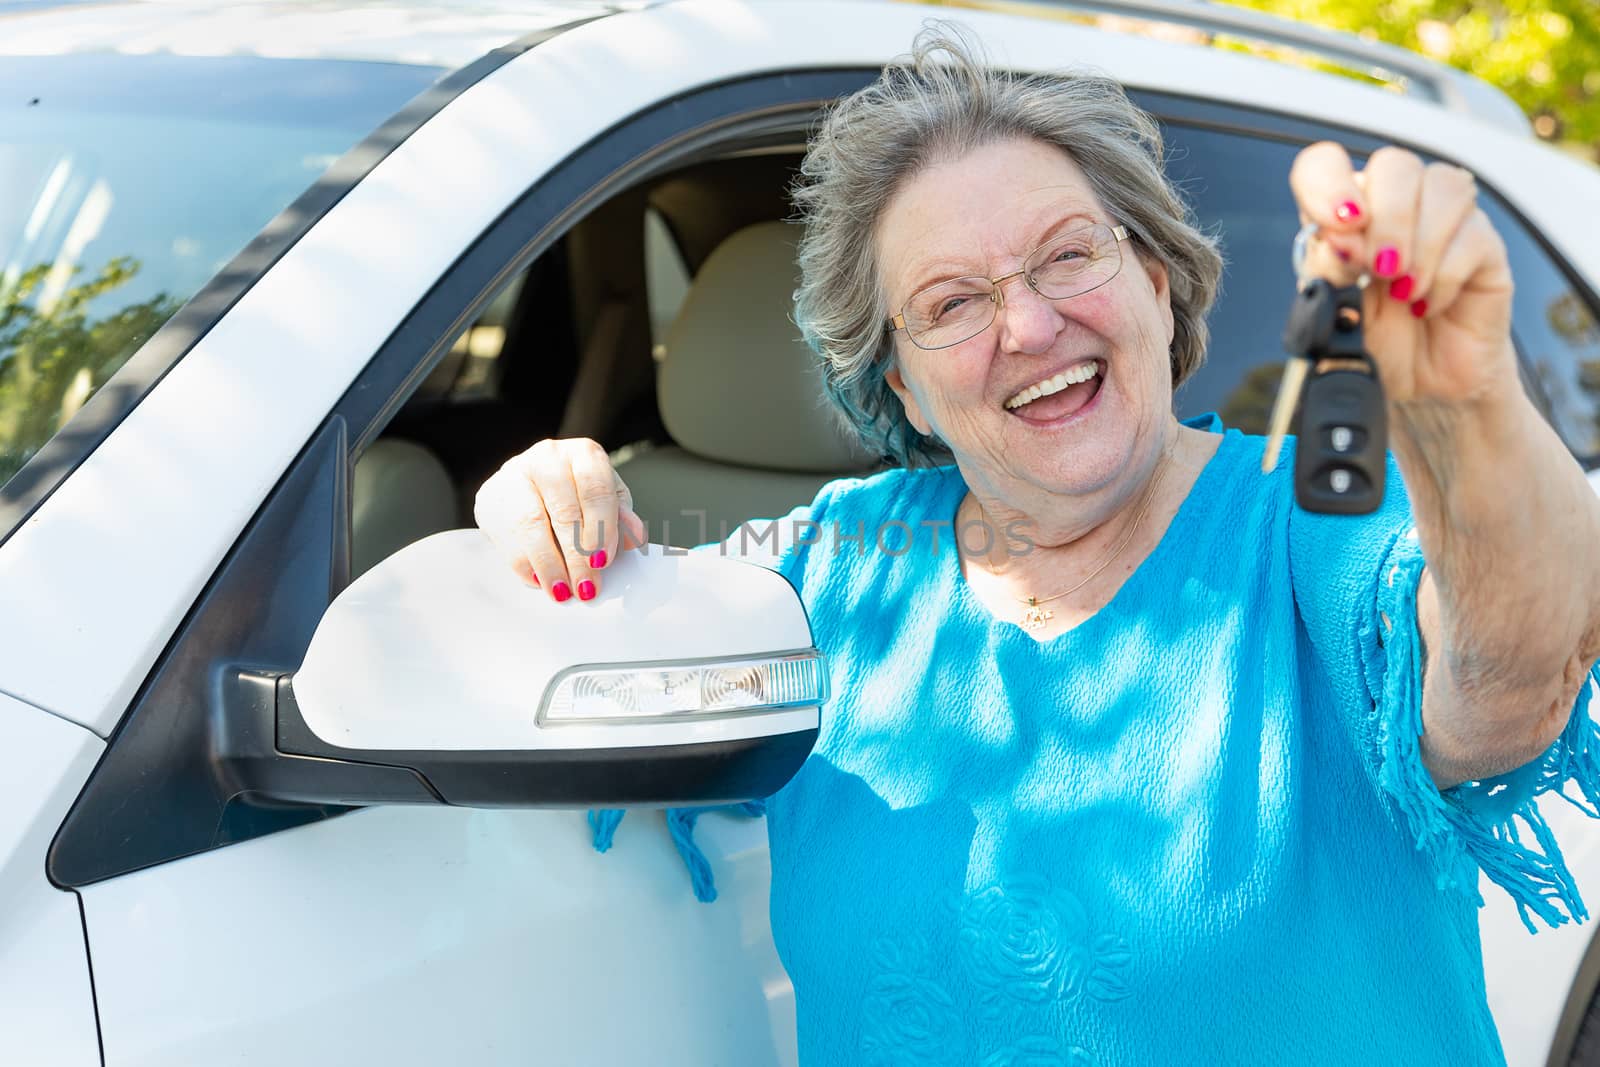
(1420, 308)
(598, 560)
(1347, 211)
(1401, 287)
(535, 581)
(1342, 254)
(1388, 261)
(561, 591)
(586, 590)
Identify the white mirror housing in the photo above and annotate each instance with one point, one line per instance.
(438, 676)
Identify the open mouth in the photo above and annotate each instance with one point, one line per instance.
(1065, 394)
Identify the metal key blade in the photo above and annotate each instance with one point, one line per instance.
(1289, 390)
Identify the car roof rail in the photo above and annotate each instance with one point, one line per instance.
(1452, 89)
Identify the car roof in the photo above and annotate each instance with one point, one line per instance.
(435, 33)
(453, 33)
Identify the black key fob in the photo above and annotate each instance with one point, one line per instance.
(1344, 432)
(1313, 318)
(1344, 428)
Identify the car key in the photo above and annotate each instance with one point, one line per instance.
(1310, 320)
(1340, 457)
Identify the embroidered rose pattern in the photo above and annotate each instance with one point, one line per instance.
(1040, 1052)
(907, 1019)
(1025, 942)
(1024, 947)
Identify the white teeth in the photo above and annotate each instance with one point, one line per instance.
(1071, 376)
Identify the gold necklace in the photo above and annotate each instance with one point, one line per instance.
(1036, 615)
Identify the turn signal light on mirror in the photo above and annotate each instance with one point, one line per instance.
(656, 691)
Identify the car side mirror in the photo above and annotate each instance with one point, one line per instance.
(438, 677)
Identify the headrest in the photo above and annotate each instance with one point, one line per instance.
(400, 493)
(737, 384)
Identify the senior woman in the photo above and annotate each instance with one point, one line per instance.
(1131, 761)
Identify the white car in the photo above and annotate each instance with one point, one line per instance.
(281, 284)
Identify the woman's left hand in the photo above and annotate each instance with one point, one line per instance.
(1438, 303)
(1487, 479)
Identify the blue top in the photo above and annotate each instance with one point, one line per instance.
(1195, 828)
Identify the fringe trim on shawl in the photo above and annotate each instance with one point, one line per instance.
(1492, 825)
(604, 824)
(680, 825)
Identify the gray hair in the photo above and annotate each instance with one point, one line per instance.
(942, 101)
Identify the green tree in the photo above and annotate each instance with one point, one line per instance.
(1545, 54)
(53, 358)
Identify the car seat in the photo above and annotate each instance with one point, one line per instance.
(742, 396)
(399, 493)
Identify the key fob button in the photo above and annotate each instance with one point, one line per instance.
(1342, 481)
(1344, 439)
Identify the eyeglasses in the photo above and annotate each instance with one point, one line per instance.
(1069, 264)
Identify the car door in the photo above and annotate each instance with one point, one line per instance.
(46, 997)
(222, 929)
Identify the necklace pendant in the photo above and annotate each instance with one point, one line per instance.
(1036, 615)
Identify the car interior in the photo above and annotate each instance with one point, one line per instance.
(661, 326)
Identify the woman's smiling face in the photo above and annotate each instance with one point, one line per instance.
(981, 214)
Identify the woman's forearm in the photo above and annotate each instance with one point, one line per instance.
(1510, 531)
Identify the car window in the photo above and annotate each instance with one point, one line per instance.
(1557, 333)
(121, 205)
(1239, 188)
(1238, 185)
(666, 278)
(472, 369)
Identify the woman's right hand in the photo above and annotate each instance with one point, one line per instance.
(559, 513)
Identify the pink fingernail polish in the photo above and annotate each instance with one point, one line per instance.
(535, 581)
(562, 592)
(598, 560)
(1344, 257)
(1347, 211)
(1387, 261)
(1420, 308)
(1401, 287)
(586, 590)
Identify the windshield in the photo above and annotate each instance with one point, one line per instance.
(127, 181)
